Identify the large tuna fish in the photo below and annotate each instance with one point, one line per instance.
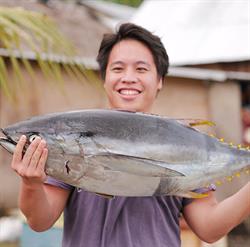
(129, 154)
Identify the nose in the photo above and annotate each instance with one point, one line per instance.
(129, 77)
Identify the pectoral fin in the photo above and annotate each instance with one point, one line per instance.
(134, 165)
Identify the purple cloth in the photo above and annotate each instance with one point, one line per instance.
(94, 221)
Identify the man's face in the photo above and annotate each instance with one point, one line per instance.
(131, 81)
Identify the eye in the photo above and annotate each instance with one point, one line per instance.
(32, 137)
(117, 69)
(87, 134)
(141, 69)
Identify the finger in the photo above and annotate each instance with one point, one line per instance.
(18, 153)
(36, 155)
(30, 151)
(42, 161)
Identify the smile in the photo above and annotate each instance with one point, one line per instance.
(129, 91)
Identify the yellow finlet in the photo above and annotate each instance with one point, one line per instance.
(229, 178)
(221, 139)
(218, 183)
(239, 146)
(237, 174)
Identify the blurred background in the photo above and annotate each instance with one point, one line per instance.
(208, 43)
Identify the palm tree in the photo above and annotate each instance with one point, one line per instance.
(27, 35)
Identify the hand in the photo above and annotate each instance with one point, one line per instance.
(30, 166)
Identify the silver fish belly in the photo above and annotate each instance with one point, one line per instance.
(129, 154)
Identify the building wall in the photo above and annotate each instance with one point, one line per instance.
(183, 98)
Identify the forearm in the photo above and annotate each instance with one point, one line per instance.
(227, 214)
(211, 220)
(35, 205)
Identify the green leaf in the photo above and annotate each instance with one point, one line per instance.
(23, 31)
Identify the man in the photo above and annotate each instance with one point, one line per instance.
(133, 63)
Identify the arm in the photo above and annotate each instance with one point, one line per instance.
(211, 220)
(41, 204)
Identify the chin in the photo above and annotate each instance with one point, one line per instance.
(130, 106)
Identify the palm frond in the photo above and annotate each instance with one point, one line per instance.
(27, 31)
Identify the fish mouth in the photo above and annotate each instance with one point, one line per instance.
(7, 138)
(7, 142)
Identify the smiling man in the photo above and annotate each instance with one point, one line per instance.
(133, 63)
(132, 80)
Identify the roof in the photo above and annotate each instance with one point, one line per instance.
(108, 12)
(199, 32)
(208, 74)
(76, 22)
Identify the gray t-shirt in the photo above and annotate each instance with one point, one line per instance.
(93, 221)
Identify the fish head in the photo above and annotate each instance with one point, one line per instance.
(46, 127)
(61, 132)
(62, 136)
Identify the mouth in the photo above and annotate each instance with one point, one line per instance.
(7, 142)
(129, 93)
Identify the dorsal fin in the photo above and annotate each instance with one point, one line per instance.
(194, 122)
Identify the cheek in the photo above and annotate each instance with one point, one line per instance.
(153, 84)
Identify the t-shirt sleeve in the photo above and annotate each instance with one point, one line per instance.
(211, 187)
(58, 183)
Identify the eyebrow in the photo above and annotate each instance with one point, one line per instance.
(117, 63)
(137, 63)
(143, 62)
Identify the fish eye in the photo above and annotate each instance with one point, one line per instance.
(32, 137)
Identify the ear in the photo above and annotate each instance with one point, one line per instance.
(159, 87)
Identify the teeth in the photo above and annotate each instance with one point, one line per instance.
(129, 92)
